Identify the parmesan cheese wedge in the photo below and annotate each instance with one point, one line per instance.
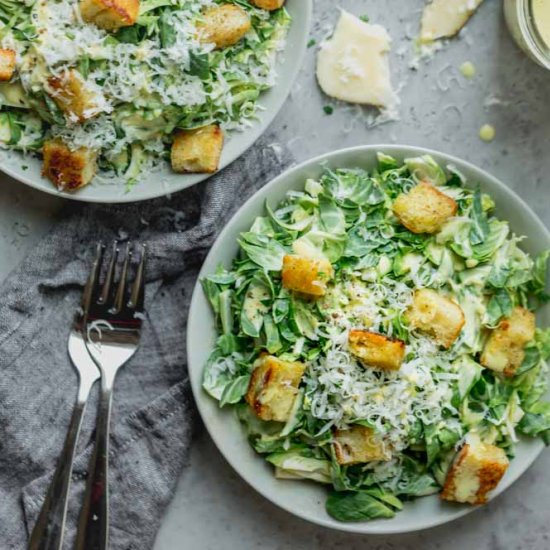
(444, 18)
(353, 64)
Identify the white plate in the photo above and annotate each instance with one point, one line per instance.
(165, 182)
(307, 499)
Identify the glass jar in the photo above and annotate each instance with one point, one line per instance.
(529, 23)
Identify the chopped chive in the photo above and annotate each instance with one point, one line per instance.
(311, 43)
(364, 18)
(329, 109)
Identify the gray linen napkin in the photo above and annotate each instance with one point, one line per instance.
(152, 412)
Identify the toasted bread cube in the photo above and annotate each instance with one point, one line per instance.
(110, 14)
(306, 275)
(224, 25)
(197, 150)
(358, 444)
(476, 470)
(436, 315)
(504, 350)
(273, 388)
(7, 64)
(376, 350)
(71, 96)
(269, 4)
(68, 170)
(424, 209)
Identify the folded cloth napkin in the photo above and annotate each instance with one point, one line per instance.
(152, 410)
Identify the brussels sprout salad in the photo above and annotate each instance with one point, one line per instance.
(376, 335)
(114, 82)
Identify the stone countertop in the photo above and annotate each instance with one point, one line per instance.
(440, 109)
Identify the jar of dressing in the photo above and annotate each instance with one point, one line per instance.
(529, 23)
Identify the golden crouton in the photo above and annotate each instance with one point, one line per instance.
(224, 25)
(376, 350)
(71, 96)
(424, 209)
(7, 64)
(110, 14)
(269, 4)
(436, 315)
(476, 470)
(273, 388)
(197, 150)
(504, 350)
(358, 444)
(68, 170)
(306, 275)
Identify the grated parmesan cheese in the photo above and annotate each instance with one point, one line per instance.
(340, 390)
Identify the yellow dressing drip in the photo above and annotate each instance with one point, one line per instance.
(487, 132)
(468, 69)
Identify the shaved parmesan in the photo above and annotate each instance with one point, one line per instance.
(353, 64)
(444, 18)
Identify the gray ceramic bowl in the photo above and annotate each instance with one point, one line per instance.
(302, 498)
(166, 182)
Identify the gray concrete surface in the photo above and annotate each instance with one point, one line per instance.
(213, 508)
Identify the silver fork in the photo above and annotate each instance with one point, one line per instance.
(49, 528)
(113, 329)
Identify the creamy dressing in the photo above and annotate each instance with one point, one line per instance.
(530, 27)
(541, 18)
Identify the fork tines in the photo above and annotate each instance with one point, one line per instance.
(116, 287)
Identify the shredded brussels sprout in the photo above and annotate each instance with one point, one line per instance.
(424, 410)
(145, 80)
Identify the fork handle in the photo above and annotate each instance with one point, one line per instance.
(47, 533)
(93, 524)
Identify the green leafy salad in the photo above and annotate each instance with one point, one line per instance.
(373, 327)
(121, 89)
